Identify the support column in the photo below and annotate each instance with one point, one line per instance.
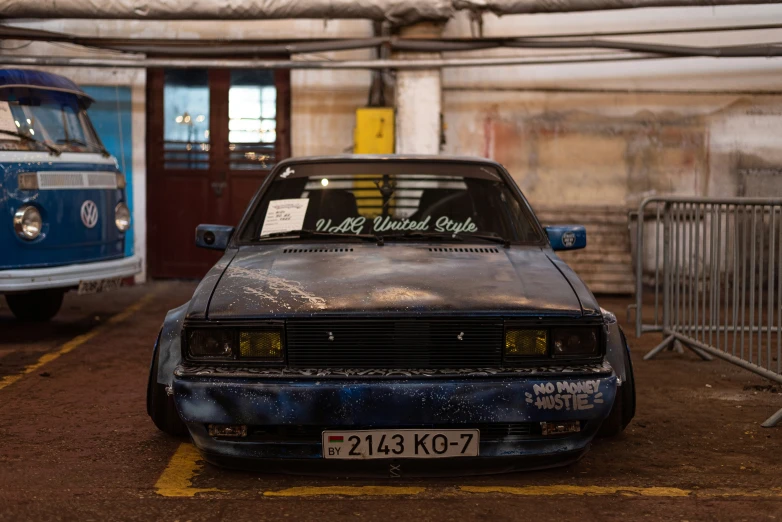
(418, 99)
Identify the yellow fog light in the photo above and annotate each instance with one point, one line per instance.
(558, 428)
(259, 345)
(227, 430)
(526, 343)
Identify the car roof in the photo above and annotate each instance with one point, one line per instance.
(391, 157)
(32, 79)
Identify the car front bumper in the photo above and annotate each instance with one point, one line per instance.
(298, 409)
(20, 280)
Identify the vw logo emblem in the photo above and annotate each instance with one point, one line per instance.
(89, 214)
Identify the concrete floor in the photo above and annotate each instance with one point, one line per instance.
(76, 443)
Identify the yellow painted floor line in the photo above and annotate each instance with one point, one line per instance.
(541, 491)
(8, 380)
(350, 491)
(177, 479)
(760, 493)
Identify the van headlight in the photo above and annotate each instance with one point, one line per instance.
(122, 217)
(28, 222)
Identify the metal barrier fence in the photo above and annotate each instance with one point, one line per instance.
(711, 269)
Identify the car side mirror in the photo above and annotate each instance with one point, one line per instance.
(215, 237)
(567, 237)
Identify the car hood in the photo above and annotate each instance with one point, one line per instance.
(306, 279)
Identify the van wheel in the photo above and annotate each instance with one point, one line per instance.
(38, 305)
(160, 405)
(623, 410)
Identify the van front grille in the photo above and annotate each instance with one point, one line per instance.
(59, 180)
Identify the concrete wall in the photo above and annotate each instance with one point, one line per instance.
(611, 133)
(586, 142)
(588, 157)
(599, 149)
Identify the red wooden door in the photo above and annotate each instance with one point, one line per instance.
(212, 136)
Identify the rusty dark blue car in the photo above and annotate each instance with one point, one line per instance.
(394, 315)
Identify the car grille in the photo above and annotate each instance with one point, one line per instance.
(400, 343)
(490, 432)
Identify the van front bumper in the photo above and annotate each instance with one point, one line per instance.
(24, 279)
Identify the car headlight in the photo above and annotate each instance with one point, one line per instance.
(575, 341)
(531, 343)
(256, 345)
(122, 217)
(28, 222)
(208, 343)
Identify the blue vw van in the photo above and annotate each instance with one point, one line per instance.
(63, 211)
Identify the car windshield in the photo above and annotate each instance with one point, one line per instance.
(45, 119)
(401, 200)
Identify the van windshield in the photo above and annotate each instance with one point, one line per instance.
(45, 118)
(395, 200)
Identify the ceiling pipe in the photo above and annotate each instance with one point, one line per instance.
(510, 7)
(397, 12)
(26, 33)
(66, 61)
(238, 49)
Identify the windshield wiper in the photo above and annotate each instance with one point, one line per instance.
(54, 150)
(417, 234)
(305, 234)
(490, 237)
(76, 141)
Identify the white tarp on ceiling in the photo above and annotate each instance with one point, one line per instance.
(394, 11)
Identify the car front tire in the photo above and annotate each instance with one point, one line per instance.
(160, 405)
(623, 410)
(35, 306)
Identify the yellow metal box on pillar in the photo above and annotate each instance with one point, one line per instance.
(374, 132)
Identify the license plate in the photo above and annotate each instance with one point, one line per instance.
(400, 444)
(100, 285)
